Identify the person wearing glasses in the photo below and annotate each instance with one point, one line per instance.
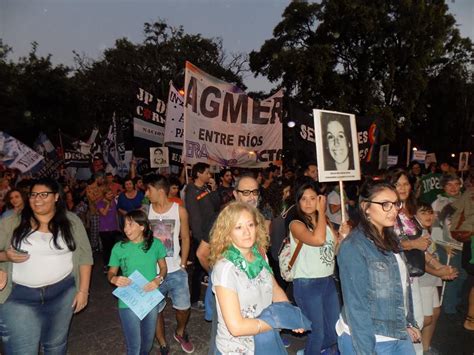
(48, 260)
(377, 316)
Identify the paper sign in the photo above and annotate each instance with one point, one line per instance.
(392, 160)
(419, 155)
(138, 300)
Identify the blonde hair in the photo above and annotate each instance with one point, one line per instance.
(220, 237)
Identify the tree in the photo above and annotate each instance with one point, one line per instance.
(38, 96)
(110, 84)
(371, 58)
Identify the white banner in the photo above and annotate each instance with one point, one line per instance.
(223, 126)
(174, 126)
(16, 155)
(147, 130)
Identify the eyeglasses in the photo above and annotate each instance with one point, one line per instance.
(255, 192)
(387, 205)
(42, 195)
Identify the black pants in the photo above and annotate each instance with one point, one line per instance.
(198, 273)
(108, 240)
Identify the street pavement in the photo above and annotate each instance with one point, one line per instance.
(96, 330)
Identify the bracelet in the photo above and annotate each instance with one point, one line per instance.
(161, 279)
(259, 326)
(81, 291)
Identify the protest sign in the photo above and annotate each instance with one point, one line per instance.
(392, 160)
(383, 156)
(138, 300)
(463, 161)
(223, 126)
(336, 146)
(419, 156)
(158, 157)
(149, 117)
(174, 127)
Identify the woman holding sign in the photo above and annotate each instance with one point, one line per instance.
(139, 252)
(47, 258)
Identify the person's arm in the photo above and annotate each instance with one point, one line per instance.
(202, 253)
(422, 243)
(156, 282)
(354, 275)
(185, 238)
(278, 294)
(317, 237)
(3, 279)
(105, 209)
(235, 323)
(119, 281)
(82, 295)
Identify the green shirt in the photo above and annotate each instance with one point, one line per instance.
(430, 187)
(130, 257)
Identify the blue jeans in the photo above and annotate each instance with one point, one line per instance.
(138, 333)
(176, 287)
(318, 300)
(395, 347)
(31, 316)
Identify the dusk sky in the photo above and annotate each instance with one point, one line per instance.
(89, 26)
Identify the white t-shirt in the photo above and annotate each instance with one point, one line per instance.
(254, 296)
(166, 227)
(46, 264)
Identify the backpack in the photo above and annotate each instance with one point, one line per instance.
(280, 238)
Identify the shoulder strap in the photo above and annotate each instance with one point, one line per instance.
(299, 245)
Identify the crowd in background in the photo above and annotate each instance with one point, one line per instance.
(423, 198)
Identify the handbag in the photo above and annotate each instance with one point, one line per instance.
(415, 257)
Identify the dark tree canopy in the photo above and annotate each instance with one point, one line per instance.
(375, 57)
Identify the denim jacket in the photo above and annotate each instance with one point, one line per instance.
(279, 315)
(372, 293)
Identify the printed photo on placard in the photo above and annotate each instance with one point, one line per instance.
(463, 161)
(336, 146)
(158, 157)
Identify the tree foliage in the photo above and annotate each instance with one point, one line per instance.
(375, 57)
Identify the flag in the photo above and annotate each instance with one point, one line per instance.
(17, 155)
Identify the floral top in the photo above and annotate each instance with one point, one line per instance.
(254, 296)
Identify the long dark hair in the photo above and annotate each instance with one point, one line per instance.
(387, 241)
(8, 204)
(300, 215)
(59, 224)
(392, 177)
(140, 217)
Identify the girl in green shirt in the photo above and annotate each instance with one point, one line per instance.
(139, 252)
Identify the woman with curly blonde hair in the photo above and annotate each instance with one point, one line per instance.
(242, 279)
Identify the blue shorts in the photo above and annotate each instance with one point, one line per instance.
(176, 287)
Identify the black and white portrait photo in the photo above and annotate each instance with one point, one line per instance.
(336, 146)
(158, 157)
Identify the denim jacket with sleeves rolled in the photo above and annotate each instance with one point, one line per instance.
(372, 293)
(82, 255)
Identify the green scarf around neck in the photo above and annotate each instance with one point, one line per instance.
(251, 269)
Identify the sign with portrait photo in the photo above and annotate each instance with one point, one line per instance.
(336, 146)
(463, 161)
(158, 157)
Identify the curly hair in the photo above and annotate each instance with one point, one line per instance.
(220, 239)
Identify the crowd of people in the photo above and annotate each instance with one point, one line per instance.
(367, 273)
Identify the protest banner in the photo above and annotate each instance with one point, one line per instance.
(174, 126)
(223, 126)
(149, 117)
(138, 300)
(16, 155)
(392, 160)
